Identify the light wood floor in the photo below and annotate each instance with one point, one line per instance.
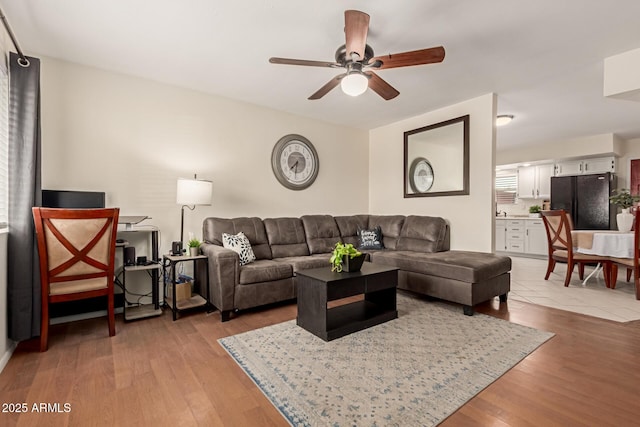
(157, 372)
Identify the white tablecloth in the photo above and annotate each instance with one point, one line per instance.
(619, 245)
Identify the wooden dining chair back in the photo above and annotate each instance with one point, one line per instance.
(76, 248)
(558, 226)
(631, 264)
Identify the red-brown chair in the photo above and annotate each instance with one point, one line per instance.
(76, 248)
(631, 264)
(558, 226)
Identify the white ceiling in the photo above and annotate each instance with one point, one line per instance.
(543, 58)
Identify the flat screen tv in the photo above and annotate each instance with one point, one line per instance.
(72, 199)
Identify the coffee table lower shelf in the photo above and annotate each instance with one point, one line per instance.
(353, 317)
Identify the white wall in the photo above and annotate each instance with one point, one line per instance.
(133, 138)
(621, 77)
(630, 150)
(471, 216)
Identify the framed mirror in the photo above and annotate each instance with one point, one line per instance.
(436, 159)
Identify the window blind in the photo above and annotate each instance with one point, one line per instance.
(506, 188)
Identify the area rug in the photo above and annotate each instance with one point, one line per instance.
(415, 370)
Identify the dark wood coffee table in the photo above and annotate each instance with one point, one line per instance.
(319, 285)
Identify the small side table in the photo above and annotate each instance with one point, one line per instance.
(199, 298)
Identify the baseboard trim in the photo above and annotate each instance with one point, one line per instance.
(82, 316)
(11, 346)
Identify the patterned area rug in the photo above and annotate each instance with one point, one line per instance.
(412, 371)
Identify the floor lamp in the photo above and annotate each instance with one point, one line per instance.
(190, 193)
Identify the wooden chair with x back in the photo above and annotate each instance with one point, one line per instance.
(76, 248)
(558, 225)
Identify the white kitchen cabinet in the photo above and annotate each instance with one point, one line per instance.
(501, 235)
(600, 165)
(543, 180)
(586, 166)
(569, 167)
(534, 182)
(515, 235)
(526, 236)
(535, 238)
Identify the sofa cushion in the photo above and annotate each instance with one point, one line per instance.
(240, 245)
(253, 228)
(465, 266)
(264, 271)
(349, 226)
(321, 232)
(422, 234)
(370, 239)
(306, 262)
(391, 225)
(286, 237)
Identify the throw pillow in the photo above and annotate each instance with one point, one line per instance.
(370, 239)
(239, 243)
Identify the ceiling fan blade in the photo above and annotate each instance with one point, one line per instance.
(327, 88)
(407, 59)
(288, 61)
(382, 88)
(356, 27)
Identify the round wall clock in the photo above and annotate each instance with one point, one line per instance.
(294, 161)
(421, 175)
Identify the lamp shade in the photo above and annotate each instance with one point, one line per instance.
(193, 192)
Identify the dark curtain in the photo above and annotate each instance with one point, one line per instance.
(23, 281)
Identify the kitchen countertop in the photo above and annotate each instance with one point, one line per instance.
(518, 217)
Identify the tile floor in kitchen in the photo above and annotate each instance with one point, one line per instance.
(593, 298)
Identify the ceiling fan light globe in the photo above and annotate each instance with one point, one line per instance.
(354, 84)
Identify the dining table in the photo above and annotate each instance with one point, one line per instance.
(611, 243)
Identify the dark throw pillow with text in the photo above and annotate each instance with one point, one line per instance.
(370, 239)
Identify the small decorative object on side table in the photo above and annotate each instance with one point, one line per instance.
(177, 301)
(194, 247)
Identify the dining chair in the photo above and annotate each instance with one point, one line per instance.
(76, 248)
(631, 264)
(560, 247)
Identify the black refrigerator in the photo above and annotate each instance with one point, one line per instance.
(586, 198)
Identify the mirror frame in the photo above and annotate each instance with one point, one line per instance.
(465, 158)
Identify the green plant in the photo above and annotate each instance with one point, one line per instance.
(339, 251)
(194, 243)
(534, 209)
(623, 198)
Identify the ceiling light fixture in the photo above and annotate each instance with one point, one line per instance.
(503, 119)
(354, 83)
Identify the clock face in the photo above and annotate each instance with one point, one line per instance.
(295, 162)
(421, 175)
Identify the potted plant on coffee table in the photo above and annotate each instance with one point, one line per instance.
(346, 257)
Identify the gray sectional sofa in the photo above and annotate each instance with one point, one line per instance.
(417, 245)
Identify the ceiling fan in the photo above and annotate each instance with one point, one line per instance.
(357, 57)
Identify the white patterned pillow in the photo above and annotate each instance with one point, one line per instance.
(240, 244)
